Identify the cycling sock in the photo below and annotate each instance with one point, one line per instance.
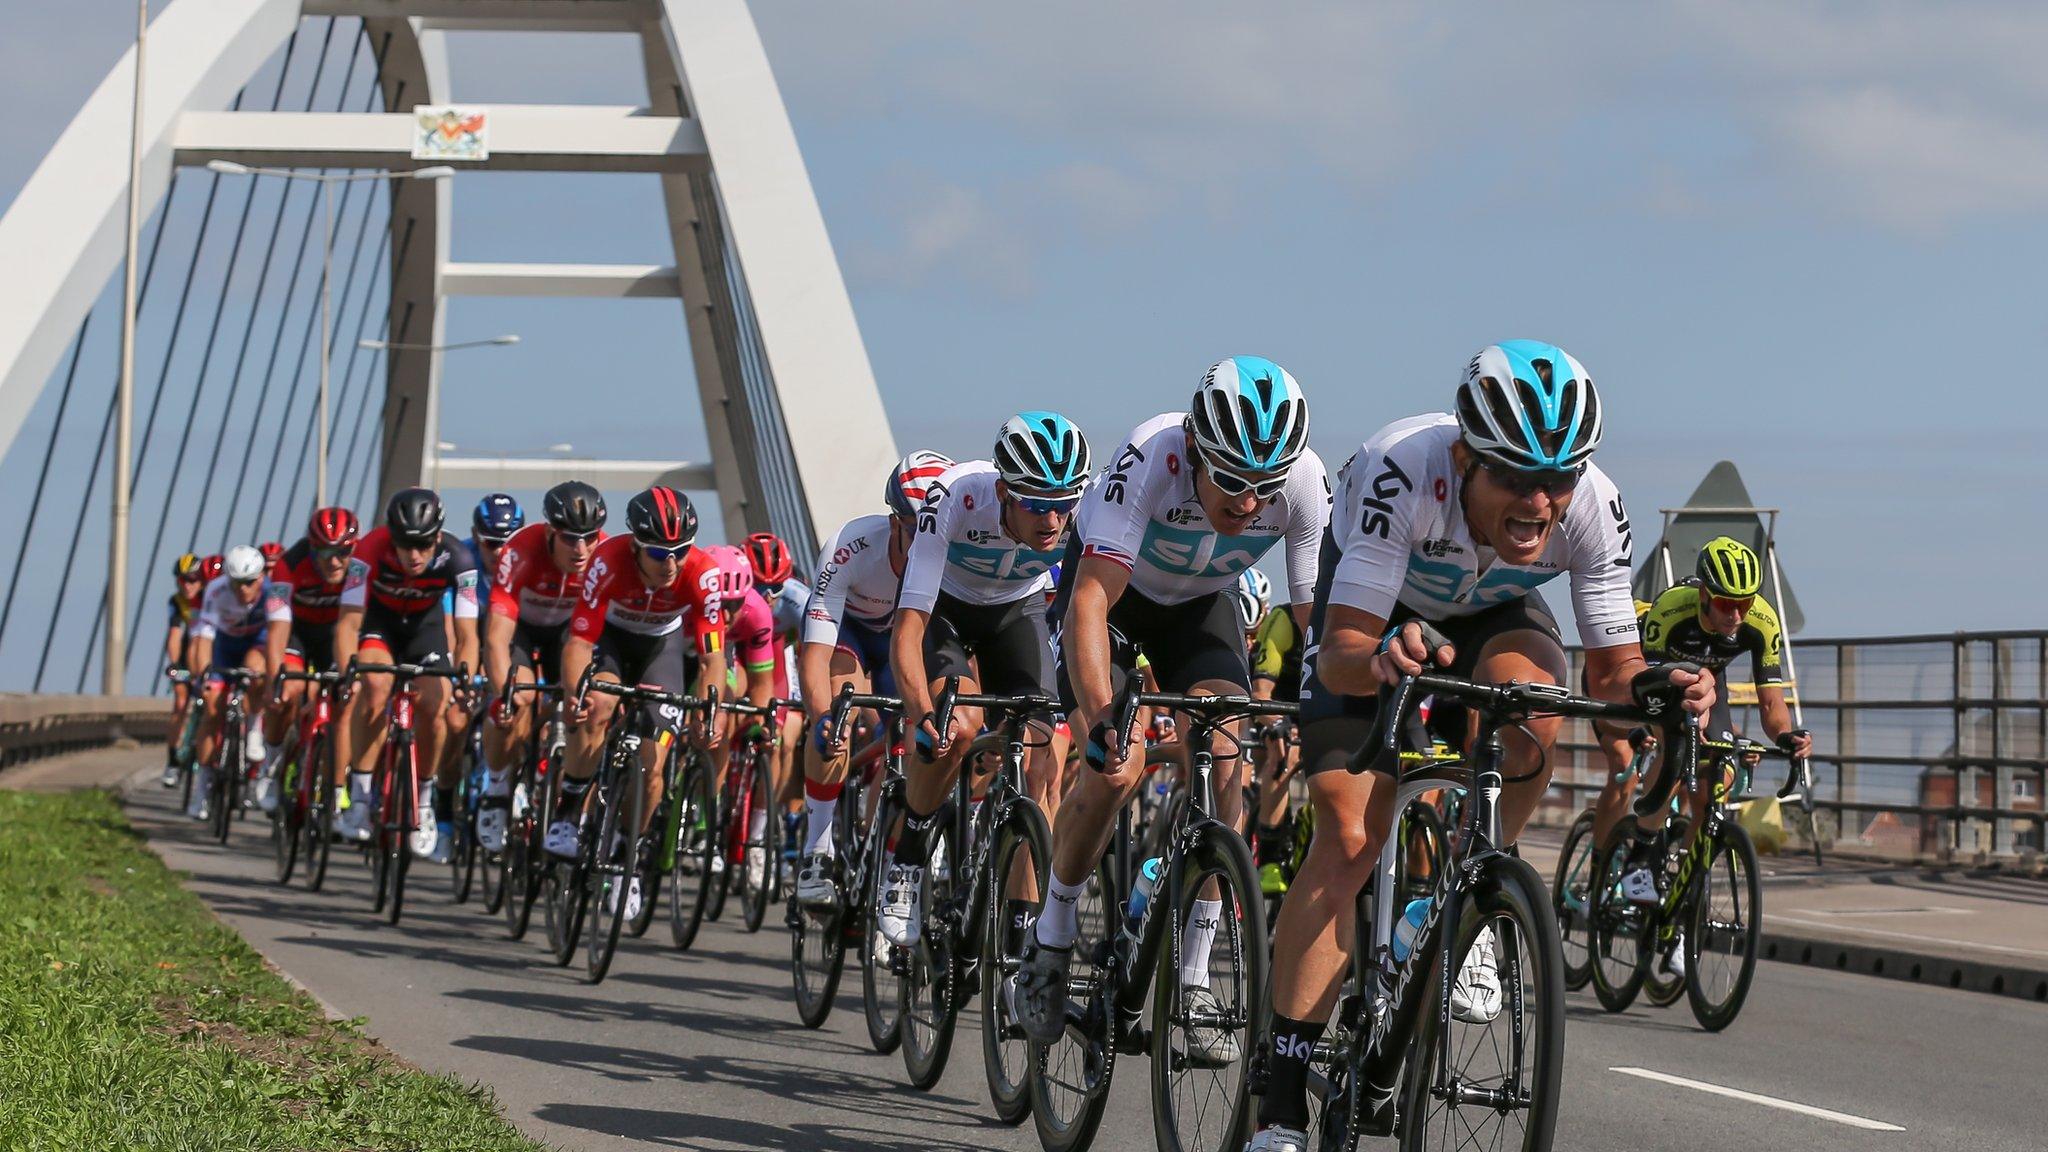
(444, 804)
(359, 785)
(1272, 843)
(1057, 922)
(819, 813)
(572, 798)
(1018, 917)
(757, 825)
(1203, 921)
(914, 844)
(1286, 1099)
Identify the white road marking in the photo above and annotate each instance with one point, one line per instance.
(1766, 1101)
(1779, 918)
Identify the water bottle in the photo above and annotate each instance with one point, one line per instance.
(1141, 896)
(1408, 929)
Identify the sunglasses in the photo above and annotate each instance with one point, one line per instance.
(341, 552)
(493, 542)
(246, 583)
(660, 554)
(191, 578)
(1737, 605)
(576, 537)
(771, 591)
(1230, 483)
(1040, 505)
(1553, 483)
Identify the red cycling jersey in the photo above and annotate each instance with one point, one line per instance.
(374, 575)
(314, 601)
(528, 587)
(615, 596)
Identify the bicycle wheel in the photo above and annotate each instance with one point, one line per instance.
(520, 875)
(462, 854)
(880, 963)
(1507, 1067)
(728, 833)
(616, 863)
(288, 822)
(1425, 848)
(1070, 1078)
(379, 861)
(1569, 901)
(566, 891)
(1663, 987)
(398, 843)
(225, 778)
(319, 840)
(1020, 860)
(1201, 1044)
(763, 855)
(696, 843)
(817, 954)
(931, 993)
(1621, 932)
(1723, 930)
(490, 872)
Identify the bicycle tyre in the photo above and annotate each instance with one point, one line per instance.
(1508, 894)
(1024, 832)
(400, 845)
(1621, 934)
(718, 868)
(462, 854)
(754, 904)
(624, 804)
(817, 953)
(696, 832)
(931, 983)
(225, 794)
(1570, 901)
(1222, 854)
(881, 994)
(1731, 844)
(520, 880)
(1064, 1124)
(379, 861)
(287, 823)
(321, 843)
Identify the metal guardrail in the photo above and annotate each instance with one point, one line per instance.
(36, 727)
(1926, 747)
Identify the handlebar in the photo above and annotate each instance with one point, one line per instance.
(744, 708)
(847, 700)
(1511, 701)
(328, 679)
(647, 694)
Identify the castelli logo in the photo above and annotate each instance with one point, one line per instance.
(968, 501)
(1172, 464)
(1443, 490)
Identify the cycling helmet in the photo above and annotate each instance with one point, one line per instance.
(242, 564)
(414, 516)
(769, 558)
(210, 567)
(333, 528)
(1255, 583)
(1728, 567)
(911, 479)
(185, 565)
(1527, 405)
(496, 518)
(1042, 454)
(1247, 605)
(1248, 415)
(735, 572)
(574, 507)
(662, 518)
(271, 550)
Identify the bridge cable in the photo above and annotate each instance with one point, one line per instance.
(43, 476)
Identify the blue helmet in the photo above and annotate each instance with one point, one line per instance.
(1042, 454)
(496, 518)
(1248, 415)
(1530, 406)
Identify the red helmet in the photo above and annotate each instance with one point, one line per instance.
(271, 550)
(210, 567)
(769, 557)
(333, 528)
(735, 574)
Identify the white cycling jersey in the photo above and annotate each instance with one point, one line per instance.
(854, 578)
(1143, 513)
(221, 613)
(1400, 526)
(961, 548)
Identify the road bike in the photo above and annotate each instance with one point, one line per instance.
(395, 788)
(535, 785)
(230, 767)
(303, 824)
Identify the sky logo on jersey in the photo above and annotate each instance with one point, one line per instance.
(1456, 584)
(1000, 563)
(1203, 551)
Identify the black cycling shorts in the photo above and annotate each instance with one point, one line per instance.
(421, 638)
(1333, 726)
(1009, 643)
(1186, 643)
(667, 662)
(313, 645)
(539, 648)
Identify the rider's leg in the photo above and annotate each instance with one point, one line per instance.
(207, 747)
(502, 744)
(825, 775)
(1618, 790)
(1529, 656)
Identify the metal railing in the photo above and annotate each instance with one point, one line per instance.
(36, 727)
(1926, 747)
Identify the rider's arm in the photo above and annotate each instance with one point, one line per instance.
(906, 655)
(1343, 656)
(174, 645)
(465, 608)
(1099, 583)
(348, 628)
(277, 615)
(498, 629)
(1771, 706)
(1372, 526)
(924, 569)
(1308, 512)
(204, 625)
(814, 672)
(576, 653)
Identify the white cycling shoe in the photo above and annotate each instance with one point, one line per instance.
(1277, 1139)
(490, 829)
(254, 747)
(426, 839)
(1475, 998)
(353, 822)
(814, 886)
(1674, 960)
(562, 839)
(1209, 1046)
(900, 915)
(202, 788)
(1640, 887)
(266, 792)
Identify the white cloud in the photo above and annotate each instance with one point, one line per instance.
(948, 229)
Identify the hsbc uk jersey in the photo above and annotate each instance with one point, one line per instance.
(1398, 525)
(222, 613)
(1143, 513)
(962, 550)
(854, 579)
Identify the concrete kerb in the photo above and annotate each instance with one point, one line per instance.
(2022, 982)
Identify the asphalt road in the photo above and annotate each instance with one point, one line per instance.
(703, 1049)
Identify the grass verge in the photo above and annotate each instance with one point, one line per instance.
(131, 1018)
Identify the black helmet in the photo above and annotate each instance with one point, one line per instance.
(574, 507)
(414, 515)
(662, 517)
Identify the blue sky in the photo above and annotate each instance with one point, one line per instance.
(1806, 240)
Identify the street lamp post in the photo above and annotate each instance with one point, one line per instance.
(327, 181)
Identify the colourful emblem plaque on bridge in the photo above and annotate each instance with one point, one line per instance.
(447, 132)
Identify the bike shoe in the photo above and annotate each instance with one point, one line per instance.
(1475, 998)
(202, 785)
(490, 829)
(1674, 960)
(1277, 1139)
(814, 885)
(170, 779)
(1208, 1046)
(900, 914)
(562, 840)
(1272, 882)
(1038, 992)
(1640, 887)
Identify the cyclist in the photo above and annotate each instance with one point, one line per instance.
(773, 566)
(846, 641)
(1442, 528)
(1190, 501)
(534, 592)
(754, 666)
(307, 578)
(1710, 620)
(234, 615)
(184, 608)
(1276, 675)
(972, 606)
(391, 610)
(491, 523)
(649, 614)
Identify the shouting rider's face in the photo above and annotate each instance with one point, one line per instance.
(1511, 512)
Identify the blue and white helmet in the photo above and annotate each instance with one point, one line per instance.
(1042, 454)
(1530, 406)
(1258, 587)
(1248, 415)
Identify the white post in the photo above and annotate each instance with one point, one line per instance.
(115, 671)
(326, 337)
(1784, 630)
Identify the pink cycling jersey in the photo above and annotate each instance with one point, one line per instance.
(751, 639)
